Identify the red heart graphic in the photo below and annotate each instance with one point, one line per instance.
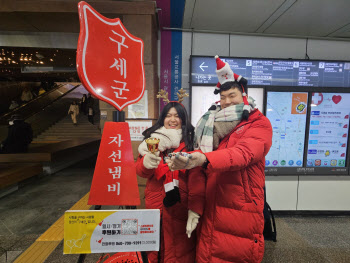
(336, 99)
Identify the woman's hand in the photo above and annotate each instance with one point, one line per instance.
(151, 161)
(143, 149)
(192, 222)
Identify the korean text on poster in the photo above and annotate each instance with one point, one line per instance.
(104, 231)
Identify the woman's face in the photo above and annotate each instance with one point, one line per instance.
(172, 120)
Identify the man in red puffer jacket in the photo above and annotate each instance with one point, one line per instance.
(234, 138)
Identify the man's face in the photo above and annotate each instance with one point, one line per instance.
(230, 97)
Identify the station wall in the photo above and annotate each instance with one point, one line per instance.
(324, 193)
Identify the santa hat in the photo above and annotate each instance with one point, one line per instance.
(225, 74)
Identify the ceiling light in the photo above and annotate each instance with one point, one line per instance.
(41, 62)
(51, 59)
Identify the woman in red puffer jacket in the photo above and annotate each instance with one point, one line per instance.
(180, 194)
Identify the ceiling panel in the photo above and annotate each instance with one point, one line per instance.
(53, 22)
(12, 22)
(231, 15)
(312, 18)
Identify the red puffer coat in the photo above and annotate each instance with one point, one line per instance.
(175, 245)
(233, 221)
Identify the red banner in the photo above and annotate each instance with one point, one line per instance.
(114, 181)
(109, 59)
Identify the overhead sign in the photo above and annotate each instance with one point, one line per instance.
(105, 231)
(275, 72)
(114, 181)
(109, 59)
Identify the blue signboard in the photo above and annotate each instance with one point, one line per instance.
(275, 72)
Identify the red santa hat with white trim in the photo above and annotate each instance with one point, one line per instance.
(225, 74)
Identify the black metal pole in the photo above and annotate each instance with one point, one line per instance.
(81, 258)
(118, 116)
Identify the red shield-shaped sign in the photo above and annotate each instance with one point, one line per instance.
(109, 59)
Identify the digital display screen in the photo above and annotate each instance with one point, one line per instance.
(275, 72)
(287, 113)
(328, 132)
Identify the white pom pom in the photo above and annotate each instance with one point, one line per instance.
(216, 56)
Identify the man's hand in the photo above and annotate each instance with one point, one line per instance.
(151, 161)
(179, 162)
(192, 222)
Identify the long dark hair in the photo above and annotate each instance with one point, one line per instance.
(186, 126)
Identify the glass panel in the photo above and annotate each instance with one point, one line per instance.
(287, 114)
(329, 128)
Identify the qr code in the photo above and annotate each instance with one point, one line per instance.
(129, 226)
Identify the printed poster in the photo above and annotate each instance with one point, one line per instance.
(137, 128)
(105, 231)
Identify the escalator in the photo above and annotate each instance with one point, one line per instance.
(44, 110)
(37, 104)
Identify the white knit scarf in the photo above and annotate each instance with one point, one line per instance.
(205, 126)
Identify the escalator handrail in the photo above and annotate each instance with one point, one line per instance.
(58, 98)
(13, 111)
(8, 114)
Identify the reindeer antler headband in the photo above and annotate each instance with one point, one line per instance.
(164, 95)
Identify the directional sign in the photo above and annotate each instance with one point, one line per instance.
(202, 66)
(275, 72)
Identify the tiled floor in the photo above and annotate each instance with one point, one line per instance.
(27, 213)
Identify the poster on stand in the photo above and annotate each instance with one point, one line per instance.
(105, 231)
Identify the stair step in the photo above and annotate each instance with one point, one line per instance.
(66, 130)
(74, 128)
(71, 136)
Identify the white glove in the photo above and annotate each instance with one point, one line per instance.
(192, 222)
(151, 161)
(169, 139)
(179, 162)
(143, 148)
